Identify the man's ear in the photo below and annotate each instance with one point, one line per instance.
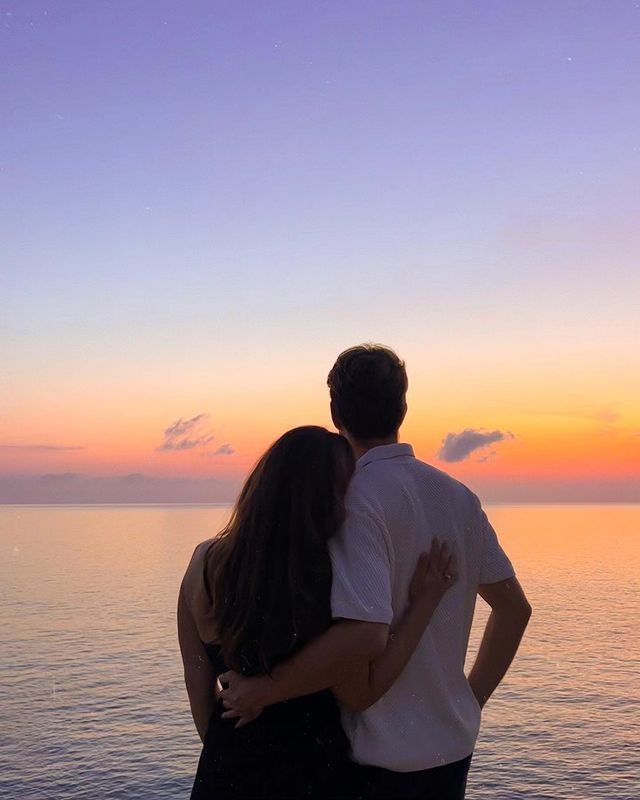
(335, 418)
(404, 413)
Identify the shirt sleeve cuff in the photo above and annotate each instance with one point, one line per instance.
(498, 576)
(361, 613)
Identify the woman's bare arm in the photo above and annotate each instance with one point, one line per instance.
(366, 685)
(199, 675)
(433, 576)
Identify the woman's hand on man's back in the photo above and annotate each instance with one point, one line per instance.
(434, 575)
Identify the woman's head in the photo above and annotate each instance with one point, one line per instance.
(269, 572)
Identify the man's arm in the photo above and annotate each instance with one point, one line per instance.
(326, 661)
(358, 660)
(510, 613)
(361, 605)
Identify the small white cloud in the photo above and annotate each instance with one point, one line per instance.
(186, 434)
(224, 450)
(458, 446)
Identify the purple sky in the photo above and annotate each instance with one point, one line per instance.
(202, 188)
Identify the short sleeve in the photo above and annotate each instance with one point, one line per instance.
(361, 583)
(495, 565)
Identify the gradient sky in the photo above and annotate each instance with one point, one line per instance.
(204, 202)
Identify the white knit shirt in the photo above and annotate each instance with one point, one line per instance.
(396, 504)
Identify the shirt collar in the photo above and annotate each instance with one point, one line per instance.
(384, 451)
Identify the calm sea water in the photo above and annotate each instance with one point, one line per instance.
(92, 703)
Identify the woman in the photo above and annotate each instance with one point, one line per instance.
(259, 591)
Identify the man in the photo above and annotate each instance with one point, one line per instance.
(417, 740)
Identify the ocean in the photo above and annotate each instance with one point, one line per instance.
(92, 701)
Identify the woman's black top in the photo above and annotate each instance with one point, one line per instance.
(294, 749)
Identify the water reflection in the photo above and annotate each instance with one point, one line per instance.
(91, 695)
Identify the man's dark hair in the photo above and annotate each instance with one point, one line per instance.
(368, 385)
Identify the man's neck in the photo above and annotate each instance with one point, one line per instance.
(361, 446)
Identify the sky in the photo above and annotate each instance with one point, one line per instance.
(203, 203)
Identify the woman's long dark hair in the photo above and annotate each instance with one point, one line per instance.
(268, 573)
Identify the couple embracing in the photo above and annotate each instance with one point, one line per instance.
(324, 631)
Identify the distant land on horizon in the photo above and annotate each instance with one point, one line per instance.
(137, 488)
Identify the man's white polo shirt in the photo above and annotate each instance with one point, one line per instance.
(396, 504)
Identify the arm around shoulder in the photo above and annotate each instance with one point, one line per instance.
(362, 611)
(330, 659)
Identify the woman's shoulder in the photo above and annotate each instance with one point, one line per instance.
(195, 568)
(195, 590)
(198, 555)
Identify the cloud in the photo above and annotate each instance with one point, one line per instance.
(224, 450)
(458, 446)
(183, 427)
(40, 448)
(186, 434)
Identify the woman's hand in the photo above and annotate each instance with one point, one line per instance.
(434, 575)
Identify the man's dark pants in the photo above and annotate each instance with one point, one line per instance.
(440, 783)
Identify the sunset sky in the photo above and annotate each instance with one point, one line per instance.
(205, 202)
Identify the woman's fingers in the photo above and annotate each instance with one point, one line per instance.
(442, 560)
(443, 557)
(450, 567)
(422, 567)
(434, 553)
(439, 557)
(439, 560)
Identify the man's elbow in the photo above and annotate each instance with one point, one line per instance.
(525, 610)
(521, 614)
(358, 698)
(515, 615)
(357, 706)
